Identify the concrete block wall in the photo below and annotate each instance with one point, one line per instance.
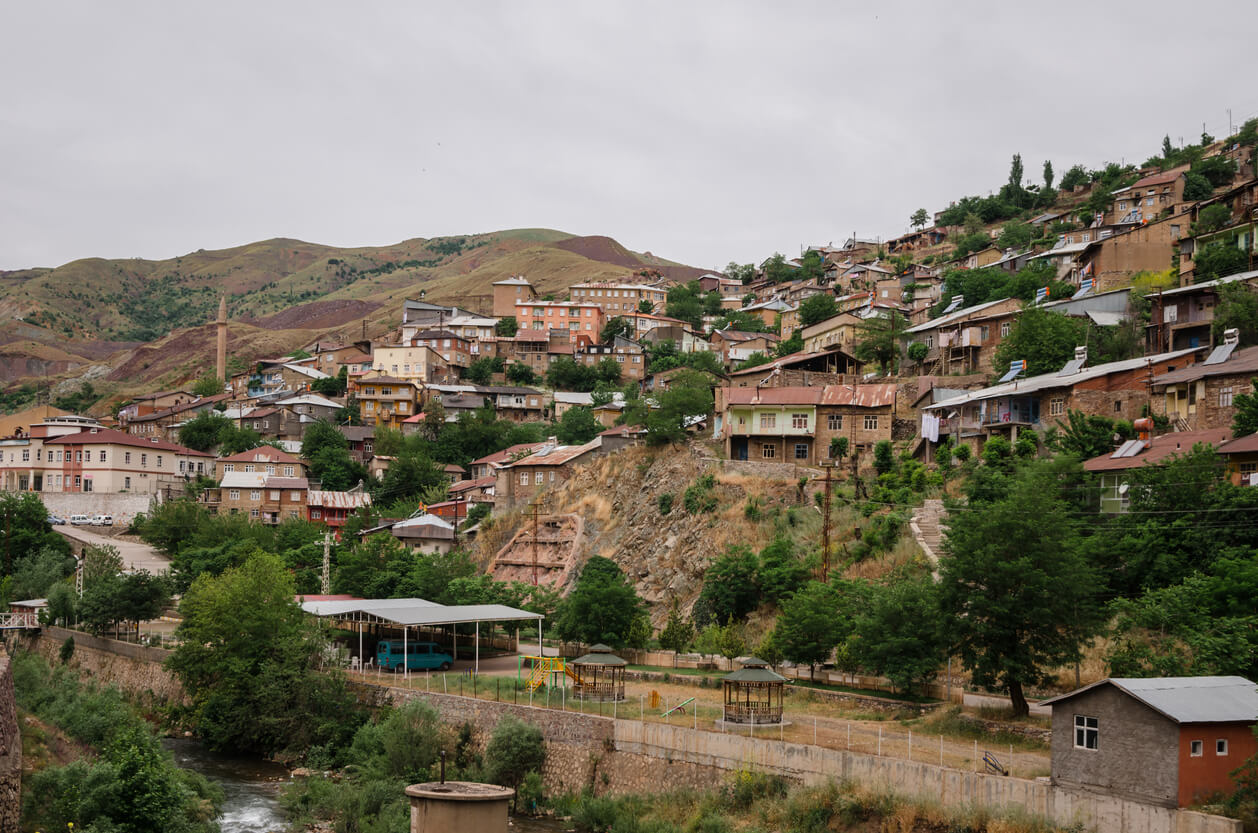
(124, 507)
(10, 753)
(631, 756)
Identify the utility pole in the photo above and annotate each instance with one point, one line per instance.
(827, 464)
(325, 585)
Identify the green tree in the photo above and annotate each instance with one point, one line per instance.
(332, 385)
(1073, 178)
(35, 575)
(1197, 187)
(577, 426)
(113, 600)
(1046, 340)
(677, 634)
(776, 269)
(1212, 218)
(683, 302)
(566, 374)
(481, 371)
(900, 632)
(1218, 260)
(781, 571)
(919, 219)
(645, 307)
(787, 346)
(1168, 150)
(879, 340)
(248, 659)
(326, 451)
(1237, 308)
(688, 395)
(207, 385)
(616, 326)
(515, 749)
(744, 272)
(507, 326)
(1016, 234)
(519, 373)
(816, 309)
(1087, 435)
(602, 607)
(1021, 597)
(1245, 420)
(1048, 174)
(205, 430)
(730, 589)
(25, 530)
(810, 625)
(409, 475)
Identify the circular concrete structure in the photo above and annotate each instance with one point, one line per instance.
(462, 806)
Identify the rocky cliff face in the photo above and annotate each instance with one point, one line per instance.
(665, 556)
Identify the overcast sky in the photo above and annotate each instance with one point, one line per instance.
(702, 132)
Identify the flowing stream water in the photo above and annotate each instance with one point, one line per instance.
(251, 787)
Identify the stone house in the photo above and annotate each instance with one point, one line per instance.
(865, 414)
(965, 340)
(619, 298)
(1242, 201)
(518, 404)
(264, 498)
(1149, 198)
(427, 534)
(581, 321)
(1203, 395)
(387, 400)
(274, 423)
(736, 346)
(796, 424)
(1172, 741)
(489, 465)
(831, 366)
(164, 424)
(837, 331)
(361, 439)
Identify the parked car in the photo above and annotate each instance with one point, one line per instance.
(103, 520)
(419, 655)
(55, 521)
(80, 520)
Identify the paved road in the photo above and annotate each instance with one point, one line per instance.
(135, 556)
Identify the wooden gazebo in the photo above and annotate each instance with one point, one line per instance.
(599, 675)
(753, 693)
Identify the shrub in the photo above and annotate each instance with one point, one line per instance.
(67, 650)
(515, 750)
(665, 503)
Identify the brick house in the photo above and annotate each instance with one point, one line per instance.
(488, 465)
(264, 498)
(865, 414)
(1147, 199)
(1202, 396)
(266, 460)
(837, 331)
(831, 366)
(1118, 390)
(1113, 467)
(736, 346)
(1183, 317)
(1148, 247)
(520, 481)
(1241, 455)
(965, 340)
(509, 292)
(1171, 741)
(619, 298)
(581, 321)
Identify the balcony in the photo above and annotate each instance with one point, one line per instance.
(779, 429)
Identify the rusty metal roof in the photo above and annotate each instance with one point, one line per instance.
(775, 396)
(859, 396)
(1159, 448)
(338, 500)
(1240, 445)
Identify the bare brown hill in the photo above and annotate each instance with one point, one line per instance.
(318, 315)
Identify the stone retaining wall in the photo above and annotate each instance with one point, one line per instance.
(135, 668)
(10, 753)
(123, 507)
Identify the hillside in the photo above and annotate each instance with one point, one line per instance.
(145, 319)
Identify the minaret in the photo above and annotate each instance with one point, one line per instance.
(221, 366)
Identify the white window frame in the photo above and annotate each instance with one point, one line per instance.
(1196, 748)
(1087, 728)
(1220, 747)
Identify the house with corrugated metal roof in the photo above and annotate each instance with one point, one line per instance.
(1172, 741)
(796, 424)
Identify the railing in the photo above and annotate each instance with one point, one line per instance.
(16, 621)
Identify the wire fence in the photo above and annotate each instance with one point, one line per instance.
(883, 738)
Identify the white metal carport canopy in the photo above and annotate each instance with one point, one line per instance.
(411, 613)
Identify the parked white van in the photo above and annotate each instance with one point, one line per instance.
(80, 520)
(103, 520)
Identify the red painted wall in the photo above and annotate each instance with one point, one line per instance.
(1199, 777)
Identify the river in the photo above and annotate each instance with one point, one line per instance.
(251, 787)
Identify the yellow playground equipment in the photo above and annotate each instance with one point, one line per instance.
(552, 671)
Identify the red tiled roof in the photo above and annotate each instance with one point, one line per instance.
(199, 402)
(468, 485)
(112, 437)
(1160, 179)
(1160, 448)
(507, 453)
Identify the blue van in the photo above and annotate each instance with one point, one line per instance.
(420, 656)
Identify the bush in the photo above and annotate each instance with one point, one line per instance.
(698, 497)
(884, 459)
(918, 351)
(67, 650)
(665, 503)
(515, 750)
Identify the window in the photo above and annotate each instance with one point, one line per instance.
(144, 459)
(233, 494)
(275, 494)
(226, 466)
(799, 421)
(1057, 406)
(78, 457)
(78, 481)
(871, 422)
(101, 456)
(767, 451)
(126, 482)
(1087, 732)
(255, 494)
(288, 471)
(930, 342)
(1196, 748)
(1225, 397)
(253, 513)
(294, 495)
(768, 421)
(1118, 406)
(984, 332)
(524, 478)
(26, 455)
(316, 514)
(801, 451)
(1220, 747)
(537, 478)
(834, 422)
(87, 485)
(552, 475)
(249, 468)
(1005, 326)
(159, 460)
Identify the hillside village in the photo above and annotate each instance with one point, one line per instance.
(967, 464)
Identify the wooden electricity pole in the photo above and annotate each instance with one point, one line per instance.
(828, 465)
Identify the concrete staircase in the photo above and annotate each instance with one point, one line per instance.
(928, 530)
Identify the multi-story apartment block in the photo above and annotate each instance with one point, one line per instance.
(385, 400)
(582, 321)
(620, 298)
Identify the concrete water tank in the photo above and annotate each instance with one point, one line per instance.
(458, 807)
